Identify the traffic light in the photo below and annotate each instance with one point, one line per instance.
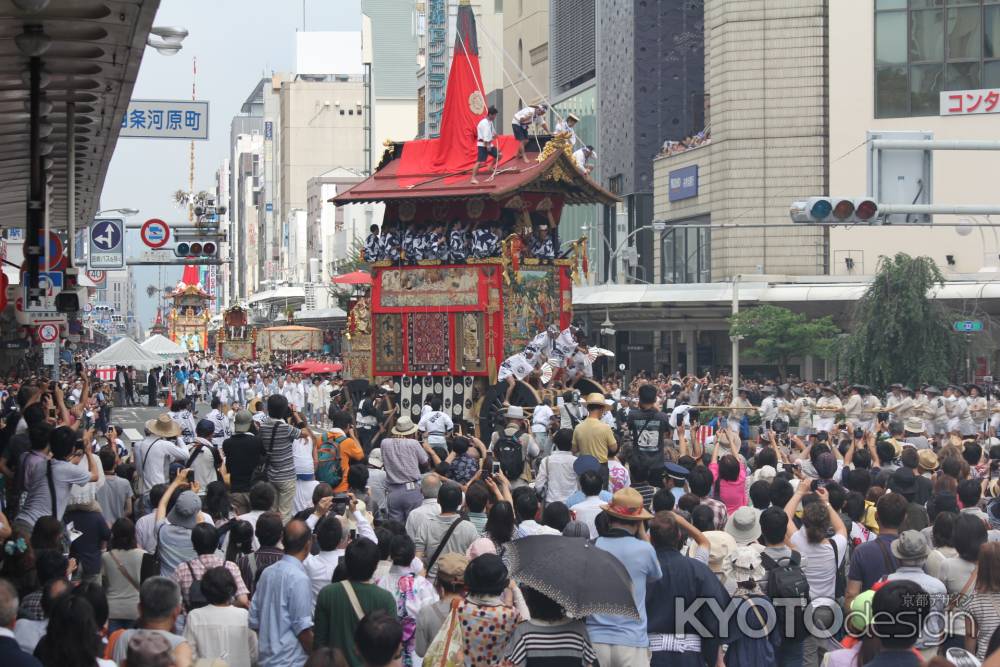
(204, 249)
(834, 210)
(68, 300)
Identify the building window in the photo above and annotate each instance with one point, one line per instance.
(520, 54)
(923, 47)
(686, 253)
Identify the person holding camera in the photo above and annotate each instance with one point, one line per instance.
(50, 472)
(278, 436)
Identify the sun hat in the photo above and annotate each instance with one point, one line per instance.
(375, 458)
(627, 504)
(723, 544)
(910, 545)
(744, 526)
(451, 568)
(483, 545)
(163, 426)
(486, 572)
(515, 412)
(594, 399)
(744, 564)
(404, 426)
(584, 463)
(242, 421)
(764, 473)
(928, 460)
(185, 510)
(913, 425)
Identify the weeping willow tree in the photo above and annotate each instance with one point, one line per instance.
(900, 333)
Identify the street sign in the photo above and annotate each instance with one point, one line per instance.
(968, 326)
(97, 277)
(48, 332)
(53, 253)
(165, 119)
(51, 283)
(107, 244)
(155, 233)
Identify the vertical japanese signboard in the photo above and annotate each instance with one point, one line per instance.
(437, 64)
(165, 119)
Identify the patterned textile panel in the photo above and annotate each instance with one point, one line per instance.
(470, 342)
(429, 287)
(428, 333)
(531, 303)
(388, 343)
(455, 393)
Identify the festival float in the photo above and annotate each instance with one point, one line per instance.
(236, 338)
(188, 319)
(437, 327)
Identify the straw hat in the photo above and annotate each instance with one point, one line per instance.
(928, 460)
(594, 399)
(163, 426)
(627, 504)
(404, 426)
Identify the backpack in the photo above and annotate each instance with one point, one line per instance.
(785, 579)
(196, 599)
(510, 454)
(328, 465)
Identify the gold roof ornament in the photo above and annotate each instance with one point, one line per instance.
(560, 141)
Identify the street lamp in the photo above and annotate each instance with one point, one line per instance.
(170, 38)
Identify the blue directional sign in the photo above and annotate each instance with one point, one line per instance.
(107, 247)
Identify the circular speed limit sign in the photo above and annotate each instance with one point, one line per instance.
(48, 333)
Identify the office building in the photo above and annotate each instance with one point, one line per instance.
(389, 46)
(526, 43)
(436, 44)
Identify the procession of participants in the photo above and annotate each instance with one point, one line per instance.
(268, 517)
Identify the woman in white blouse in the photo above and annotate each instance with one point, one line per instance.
(220, 630)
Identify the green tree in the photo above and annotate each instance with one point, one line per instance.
(900, 333)
(777, 334)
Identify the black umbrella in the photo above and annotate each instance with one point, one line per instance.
(581, 577)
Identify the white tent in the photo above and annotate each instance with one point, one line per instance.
(164, 347)
(125, 352)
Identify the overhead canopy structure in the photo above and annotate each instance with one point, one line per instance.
(163, 346)
(94, 48)
(125, 352)
(353, 278)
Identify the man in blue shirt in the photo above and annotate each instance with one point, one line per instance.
(282, 607)
(619, 640)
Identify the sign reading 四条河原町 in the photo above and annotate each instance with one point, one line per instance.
(165, 119)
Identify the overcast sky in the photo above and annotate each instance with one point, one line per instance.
(236, 42)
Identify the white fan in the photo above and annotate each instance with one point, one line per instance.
(594, 352)
(546, 373)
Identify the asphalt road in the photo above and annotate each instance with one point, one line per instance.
(135, 418)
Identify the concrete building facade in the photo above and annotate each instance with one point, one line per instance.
(389, 44)
(766, 69)
(894, 89)
(526, 43)
(650, 76)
